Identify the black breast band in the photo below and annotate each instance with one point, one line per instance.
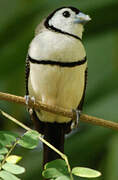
(58, 63)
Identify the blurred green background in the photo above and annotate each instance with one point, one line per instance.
(90, 146)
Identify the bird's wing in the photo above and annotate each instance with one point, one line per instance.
(27, 70)
(38, 124)
(80, 106)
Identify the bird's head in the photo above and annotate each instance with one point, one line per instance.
(67, 19)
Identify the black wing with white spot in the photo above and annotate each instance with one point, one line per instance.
(27, 71)
(80, 106)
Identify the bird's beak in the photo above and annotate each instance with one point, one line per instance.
(82, 18)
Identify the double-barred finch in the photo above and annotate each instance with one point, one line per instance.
(56, 71)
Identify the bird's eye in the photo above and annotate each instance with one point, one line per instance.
(66, 14)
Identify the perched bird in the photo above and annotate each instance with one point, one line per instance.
(56, 71)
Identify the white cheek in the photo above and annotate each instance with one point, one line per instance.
(67, 25)
(61, 23)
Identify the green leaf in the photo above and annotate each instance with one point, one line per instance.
(58, 163)
(7, 176)
(51, 173)
(7, 138)
(13, 159)
(29, 140)
(63, 178)
(56, 169)
(54, 173)
(13, 168)
(85, 172)
(3, 150)
(1, 157)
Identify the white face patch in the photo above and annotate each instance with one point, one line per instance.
(64, 20)
(59, 19)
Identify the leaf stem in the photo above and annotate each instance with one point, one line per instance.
(9, 152)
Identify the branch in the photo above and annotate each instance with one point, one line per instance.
(60, 111)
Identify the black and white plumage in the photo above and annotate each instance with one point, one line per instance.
(56, 71)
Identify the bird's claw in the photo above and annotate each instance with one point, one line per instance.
(28, 98)
(33, 99)
(75, 122)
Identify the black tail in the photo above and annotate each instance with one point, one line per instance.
(54, 133)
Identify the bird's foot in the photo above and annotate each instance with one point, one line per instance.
(33, 99)
(28, 98)
(75, 122)
(30, 110)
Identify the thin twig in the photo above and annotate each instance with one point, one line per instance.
(9, 152)
(57, 110)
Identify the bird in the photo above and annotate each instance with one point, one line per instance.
(56, 73)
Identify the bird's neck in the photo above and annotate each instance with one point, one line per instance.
(78, 30)
(75, 30)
